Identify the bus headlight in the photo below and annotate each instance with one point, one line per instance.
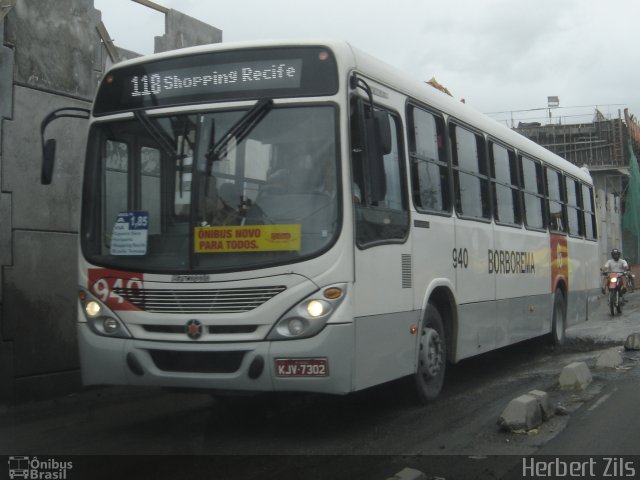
(309, 316)
(101, 320)
(317, 308)
(92, 309)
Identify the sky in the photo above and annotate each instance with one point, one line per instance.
(504, 57)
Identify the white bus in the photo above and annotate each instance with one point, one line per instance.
(302, 217)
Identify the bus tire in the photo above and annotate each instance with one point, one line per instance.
(559, 319)
(432, 356)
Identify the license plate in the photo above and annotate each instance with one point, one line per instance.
(302, 367)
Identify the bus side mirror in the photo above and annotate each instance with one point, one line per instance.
(49, 147)
(48, 160)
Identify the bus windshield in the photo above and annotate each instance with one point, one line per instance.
(216, 191)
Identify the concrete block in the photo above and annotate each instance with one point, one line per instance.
(546, 410)
(609, 359)
(521, 413)
(576, 375)
(632, 342)
(409, 474)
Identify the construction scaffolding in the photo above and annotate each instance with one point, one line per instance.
(634, 131)
(599, 145)
(602, 146)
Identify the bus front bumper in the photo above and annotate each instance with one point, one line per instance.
(322, 363)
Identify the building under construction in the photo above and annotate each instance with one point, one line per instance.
(605, 147)
(598, 145)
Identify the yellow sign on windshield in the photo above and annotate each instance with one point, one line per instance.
(247, 238)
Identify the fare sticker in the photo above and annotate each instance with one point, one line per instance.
(247, 238)
(130, 233)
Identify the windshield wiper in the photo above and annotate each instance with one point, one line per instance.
(157, 134)
(239, 130)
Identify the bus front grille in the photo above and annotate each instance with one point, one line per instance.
(225, 300)
(214, 329)
(197, 362)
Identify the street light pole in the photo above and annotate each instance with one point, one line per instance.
(552, 102)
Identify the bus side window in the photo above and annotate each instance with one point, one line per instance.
(116, 184)
(429, 169)
(533, 193)
(556, 201)
(385, 220)
(504, 179)
(588, 204)
(470, 175)
(574, 214)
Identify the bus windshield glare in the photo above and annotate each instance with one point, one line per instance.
(224, 190)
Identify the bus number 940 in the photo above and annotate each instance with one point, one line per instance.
(107, 289)
(460, 258)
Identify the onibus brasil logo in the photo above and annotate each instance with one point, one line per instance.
(33, 468)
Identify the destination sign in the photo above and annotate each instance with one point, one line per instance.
(215, 76)
(261, 75)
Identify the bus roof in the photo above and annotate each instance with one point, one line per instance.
(351, 58)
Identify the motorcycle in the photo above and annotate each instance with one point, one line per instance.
(614, 286)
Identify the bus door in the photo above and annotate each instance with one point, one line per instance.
(475, 282)
(383, 306)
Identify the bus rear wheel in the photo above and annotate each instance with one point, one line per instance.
(432, 356)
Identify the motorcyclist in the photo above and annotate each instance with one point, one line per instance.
(615, 264)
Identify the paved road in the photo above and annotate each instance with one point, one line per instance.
(607, 425)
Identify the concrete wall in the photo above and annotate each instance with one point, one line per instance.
(56, 45)
(609, 190)
(184, 31)
(56, 61)
(51, 56)
(6, 98)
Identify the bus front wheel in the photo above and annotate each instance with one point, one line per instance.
(432, 356)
